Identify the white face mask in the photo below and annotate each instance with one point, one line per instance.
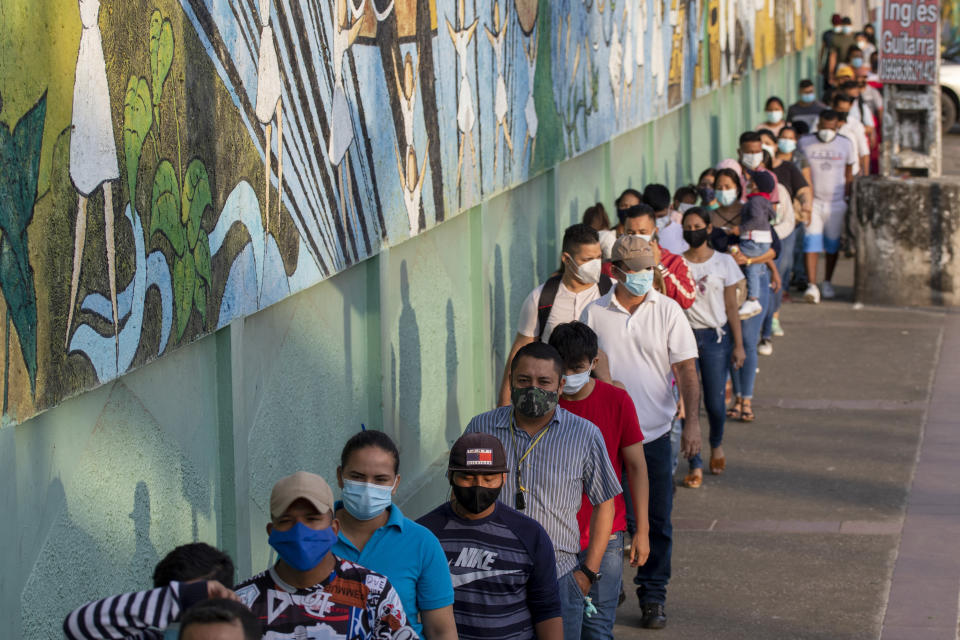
(726, 197)
(769, 148)
(646, 237)
(575, 382)
(826, 135)
(751, 160)
(774, 116)
(588, 272)
(685, 206)
(663, 222)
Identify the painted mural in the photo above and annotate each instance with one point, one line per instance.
(166, 167)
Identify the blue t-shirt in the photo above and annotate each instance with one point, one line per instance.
(504, 572)
(412, 559)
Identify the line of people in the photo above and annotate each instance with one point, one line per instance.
(571, 476)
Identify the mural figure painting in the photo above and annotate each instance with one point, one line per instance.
(93, 152)
(291, 178)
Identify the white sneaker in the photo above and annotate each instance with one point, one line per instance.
(749, 309)
(765, 348)
(812, 294)
(827, 289)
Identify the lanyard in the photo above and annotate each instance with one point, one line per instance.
(520, 458)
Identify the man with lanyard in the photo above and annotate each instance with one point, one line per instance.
(647, 337)
(501, 561)
(562, 298)
(554, 458)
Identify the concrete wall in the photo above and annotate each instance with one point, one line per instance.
(411, 340)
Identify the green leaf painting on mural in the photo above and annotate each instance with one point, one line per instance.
(19, 171)
(137, 120)
(184, 281)
(196, 198)
(161, 56)
(165, 208)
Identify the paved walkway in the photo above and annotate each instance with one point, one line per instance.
(814, 527)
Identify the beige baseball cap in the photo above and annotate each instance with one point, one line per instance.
(301, 484)
(634, 252)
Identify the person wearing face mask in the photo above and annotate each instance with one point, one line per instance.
(708, 198)
(640, 220)
(793, 272)
(853, 129)
(648, 340)
(310, 590)
(501, 561)
(554, 457)
(807, 108)
(611, 409)
(716, 326)
(832, 160)
(773, 116)
(375, 534)
(562, 297)
(864, 45)
(840, 46)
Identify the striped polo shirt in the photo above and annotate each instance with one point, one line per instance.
(569, 460)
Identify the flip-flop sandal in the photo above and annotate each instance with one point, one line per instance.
(734, 412)
(747, 415)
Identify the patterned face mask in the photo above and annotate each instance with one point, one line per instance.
(533, 402)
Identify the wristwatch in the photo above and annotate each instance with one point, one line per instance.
(593, 577)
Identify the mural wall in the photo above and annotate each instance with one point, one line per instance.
(167, 167)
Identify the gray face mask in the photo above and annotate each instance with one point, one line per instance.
(533, 402)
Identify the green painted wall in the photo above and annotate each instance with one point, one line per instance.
(412, 341)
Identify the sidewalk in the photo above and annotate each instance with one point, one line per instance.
(799, 538)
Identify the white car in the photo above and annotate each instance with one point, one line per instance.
(950, 87)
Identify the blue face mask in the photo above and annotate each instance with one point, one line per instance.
(639, 283)
(808, 97)
(786, 145)
(856, 63)
(365, 501)
(302, 547)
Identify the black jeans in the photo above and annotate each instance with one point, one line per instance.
(652, 578)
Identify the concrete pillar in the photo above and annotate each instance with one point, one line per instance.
(907, 237)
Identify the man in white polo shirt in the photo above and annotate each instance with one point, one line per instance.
(646, 336)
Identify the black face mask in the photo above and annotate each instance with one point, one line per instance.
(695, 237)
(475, 499)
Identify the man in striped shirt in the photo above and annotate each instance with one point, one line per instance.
(501, 561)
(187, 575)
(554, 457)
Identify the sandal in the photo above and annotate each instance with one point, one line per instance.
(736, 410)
(694, 479)
(718, 465)
(746, 414)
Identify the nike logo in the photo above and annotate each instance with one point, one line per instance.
(473, 576)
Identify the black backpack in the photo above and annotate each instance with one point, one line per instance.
(549, 294)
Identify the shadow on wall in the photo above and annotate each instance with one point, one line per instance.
(498, 308)
(454, 426)
(145, 555)
(409, 376)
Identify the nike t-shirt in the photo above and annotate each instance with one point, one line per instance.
(503, 570)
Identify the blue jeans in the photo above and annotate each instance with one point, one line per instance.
(784, 264)
(799, 268)
(753, 249)
(712, 365)
(745, 376)
(606, 592)
(652, 578)
(571, 606)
